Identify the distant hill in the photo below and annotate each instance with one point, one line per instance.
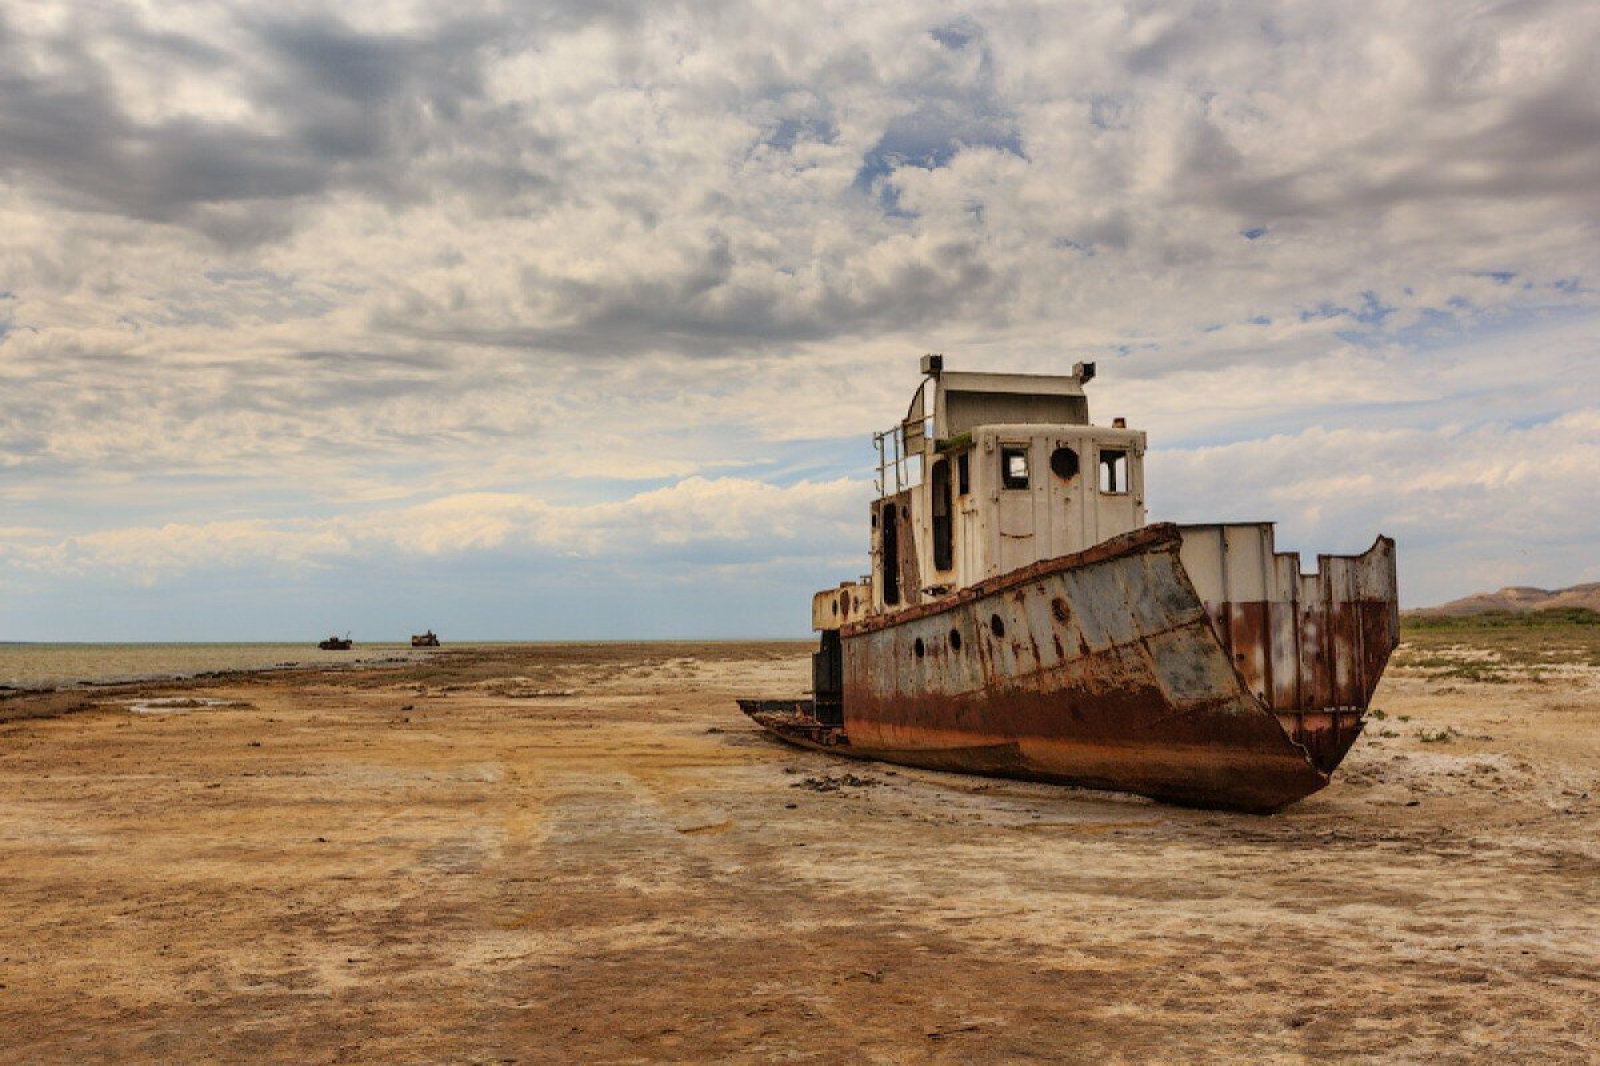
(1518, 598)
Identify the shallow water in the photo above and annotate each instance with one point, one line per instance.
(38, 666)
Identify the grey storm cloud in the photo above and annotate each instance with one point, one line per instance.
(1473, 137)
(336, 108)
(701, 311)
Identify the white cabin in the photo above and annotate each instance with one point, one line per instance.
(989, 473)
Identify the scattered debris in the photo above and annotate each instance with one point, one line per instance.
(874, 977)
(714, 827)
(832, 783)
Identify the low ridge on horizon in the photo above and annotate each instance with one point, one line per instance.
(1520, 598)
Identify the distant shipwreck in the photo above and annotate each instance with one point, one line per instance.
(1022, 620)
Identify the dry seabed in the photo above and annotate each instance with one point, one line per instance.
(552, 854)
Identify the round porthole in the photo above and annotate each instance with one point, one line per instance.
(955, 640)
(1064, 463)
(919, 649)
(1058, 607)
(997, 626)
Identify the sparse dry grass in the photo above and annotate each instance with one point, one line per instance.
(1500, 647)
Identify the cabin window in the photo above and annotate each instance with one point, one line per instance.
(1113, 470)
(891, 556)
(943, 520)
(1014, 468)
(1064, 463)
(963, 473)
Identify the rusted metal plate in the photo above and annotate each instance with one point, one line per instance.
(1100, 669)
(1300, 642)
(833, 608)
(895, 540)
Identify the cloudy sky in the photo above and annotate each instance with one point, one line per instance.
(571, 318)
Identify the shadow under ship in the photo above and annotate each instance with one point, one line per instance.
(1022, 619)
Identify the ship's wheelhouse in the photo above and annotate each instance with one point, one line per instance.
(988, 473)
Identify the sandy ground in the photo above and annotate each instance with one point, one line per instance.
(585, 854)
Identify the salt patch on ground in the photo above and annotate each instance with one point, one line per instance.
(176, 704)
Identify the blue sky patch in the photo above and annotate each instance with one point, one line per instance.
(1373, 311)
(793, 131)
(957, 35)
(1323, 310)
(934, 134)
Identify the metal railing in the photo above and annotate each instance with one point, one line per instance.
(895, 462)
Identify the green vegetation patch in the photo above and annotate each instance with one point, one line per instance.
(1551, 618)
(1501, 646)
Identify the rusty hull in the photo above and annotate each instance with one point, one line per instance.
(1106, 669)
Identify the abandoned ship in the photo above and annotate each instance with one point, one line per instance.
(1022, 620)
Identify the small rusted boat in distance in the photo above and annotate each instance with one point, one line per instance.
(1022, 620)
(425, 640)
(343, 643)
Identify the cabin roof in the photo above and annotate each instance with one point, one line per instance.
(964, 400)
(1010, 384)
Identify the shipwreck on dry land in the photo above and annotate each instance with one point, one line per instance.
(1021, 618)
